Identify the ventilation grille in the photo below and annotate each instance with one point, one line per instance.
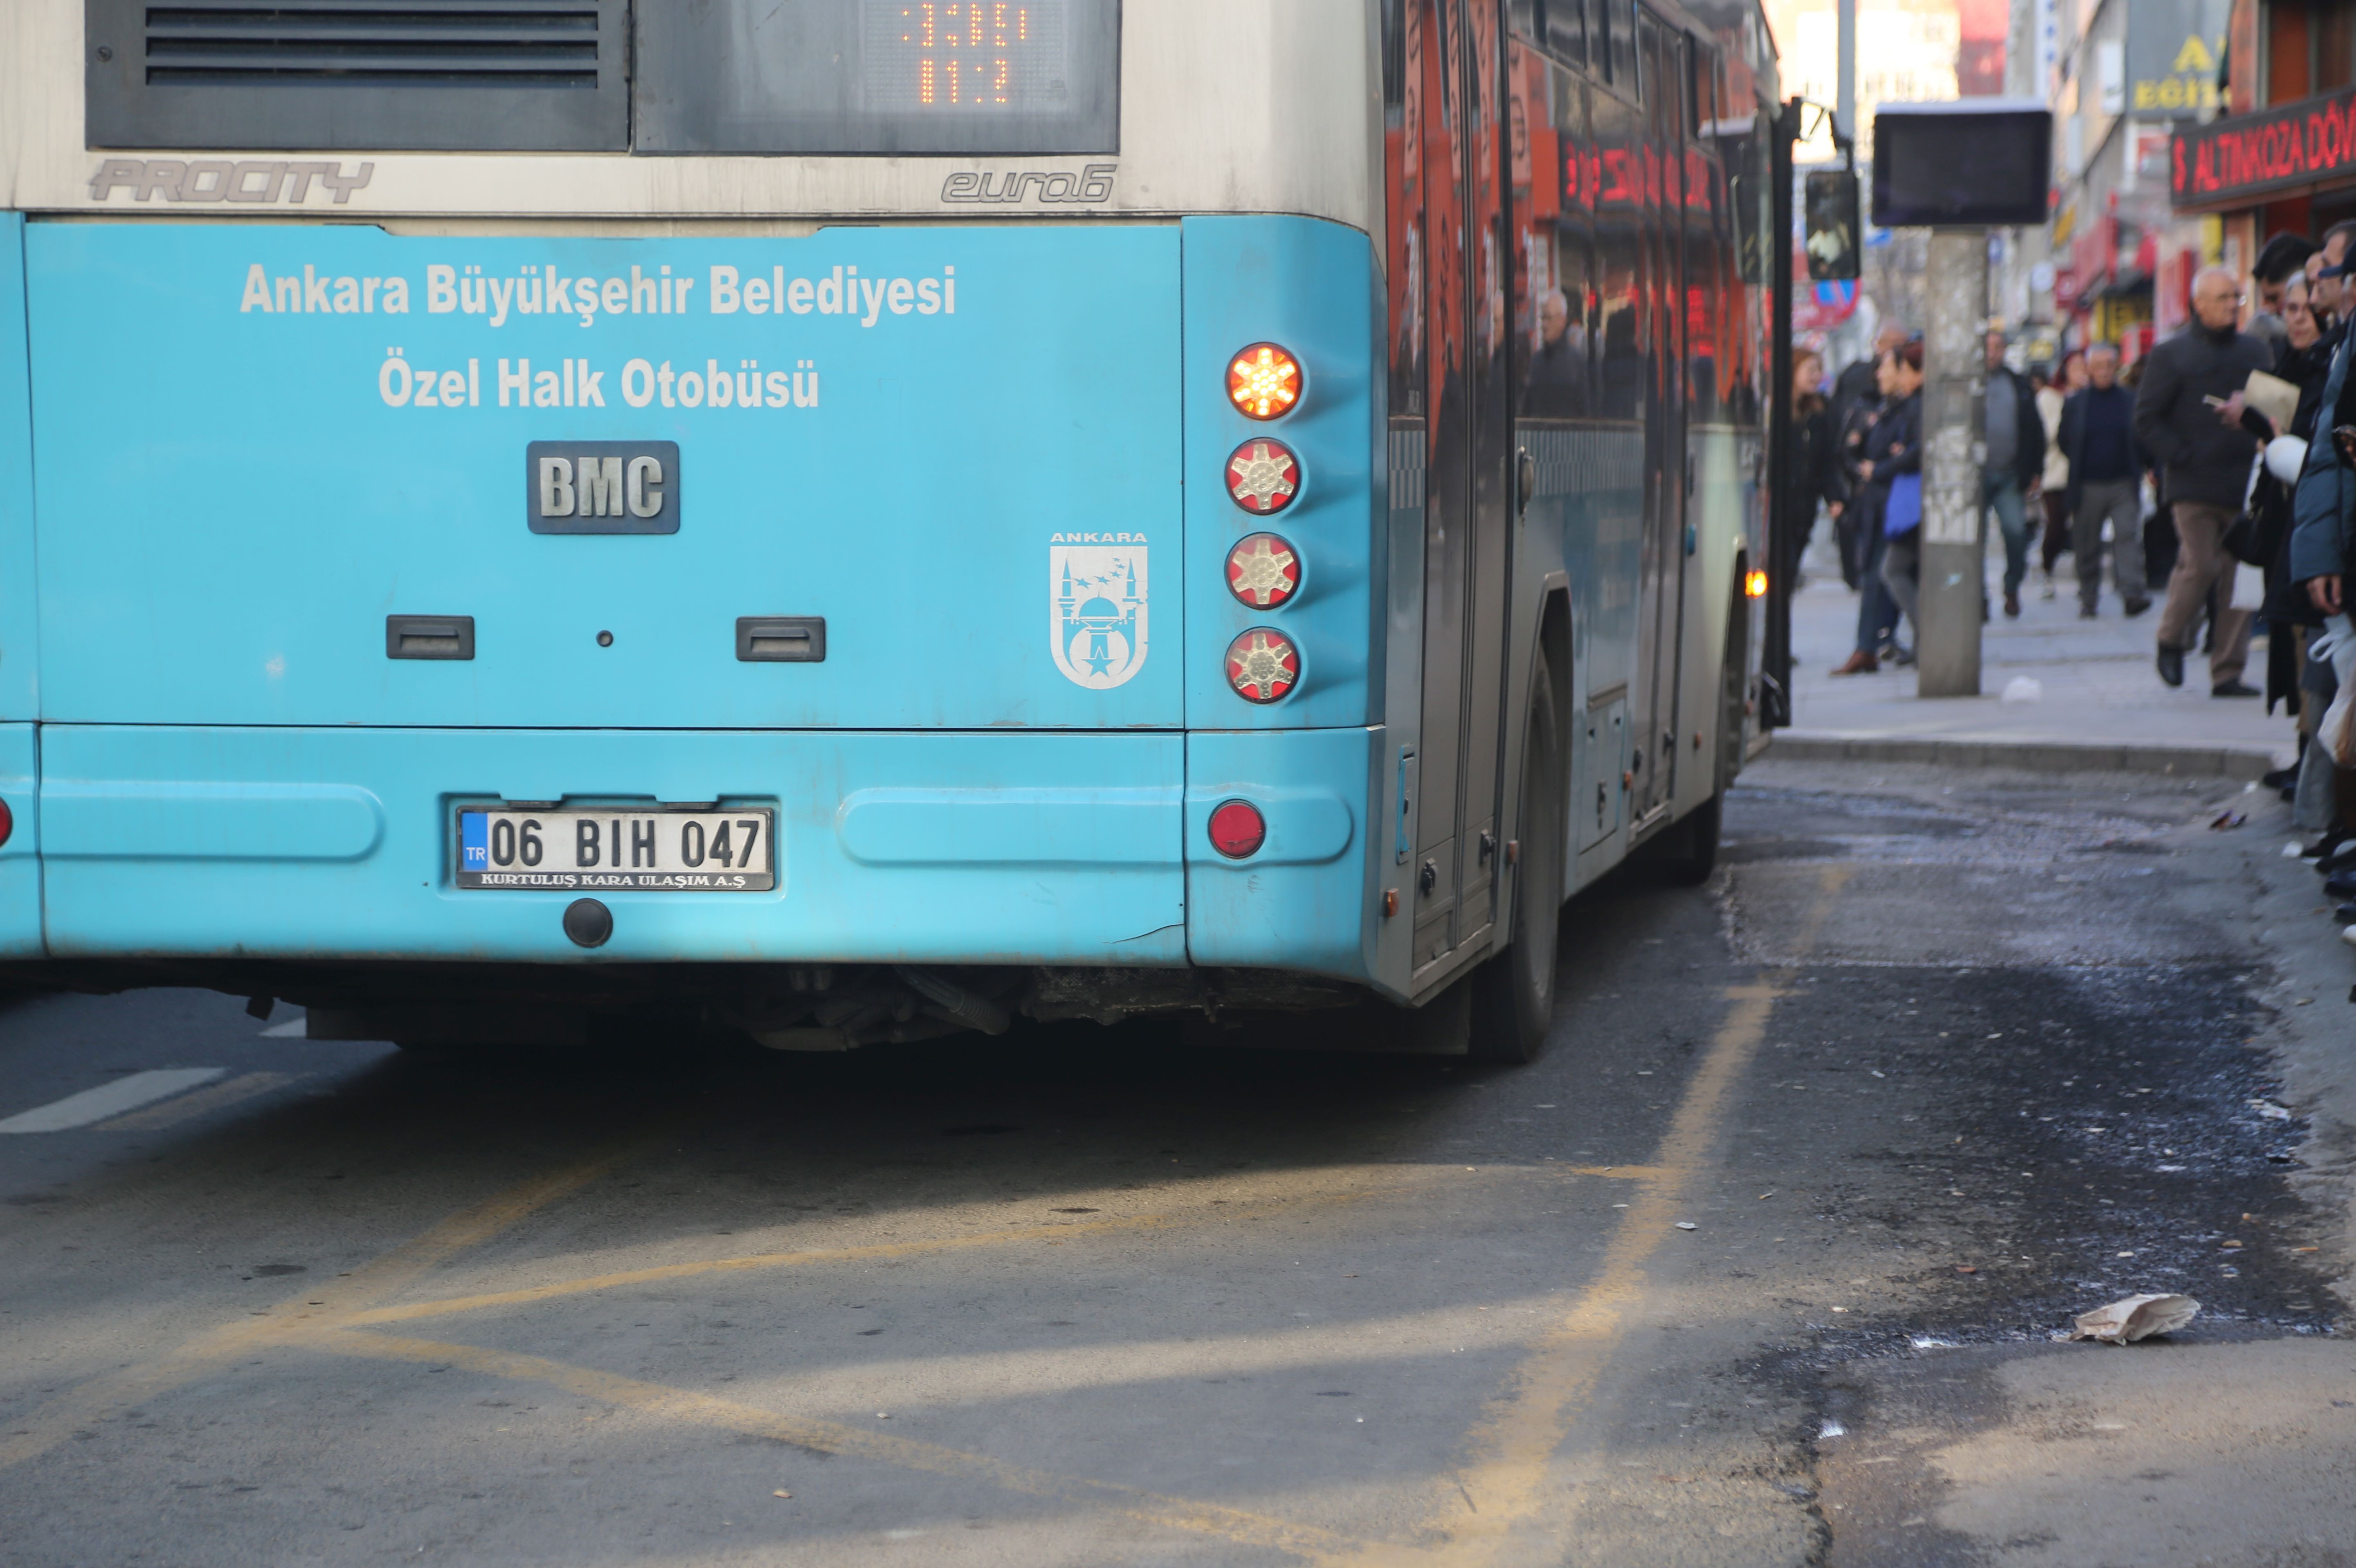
(370, 43)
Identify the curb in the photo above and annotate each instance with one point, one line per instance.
(2243, 763)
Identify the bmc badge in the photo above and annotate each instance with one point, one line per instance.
(1096, 602)
(601, 486)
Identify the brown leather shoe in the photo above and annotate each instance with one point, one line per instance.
(1859, 663)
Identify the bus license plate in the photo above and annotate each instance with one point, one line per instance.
(621, 851)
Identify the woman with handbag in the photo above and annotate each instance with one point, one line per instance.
(1891, 471)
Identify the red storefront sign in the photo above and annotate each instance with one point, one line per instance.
(2226, 161)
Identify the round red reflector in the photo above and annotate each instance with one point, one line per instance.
(7, 822)
(1262, 666)
(1262, 570)
(1262, 476)
(1263, 381)
(1237, 829)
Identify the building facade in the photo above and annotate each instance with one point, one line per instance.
(2127, 75)
(2280, 156)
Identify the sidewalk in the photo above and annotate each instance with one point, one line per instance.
(2100, 705)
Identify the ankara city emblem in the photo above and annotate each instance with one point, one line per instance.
(1095, 601)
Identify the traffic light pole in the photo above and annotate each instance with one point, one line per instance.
(1953, 585)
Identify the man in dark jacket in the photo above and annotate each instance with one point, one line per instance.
(2014, 462)
(2323, 512)
(2189, 417)
(2097, 436)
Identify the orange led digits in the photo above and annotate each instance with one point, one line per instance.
(1264, 381)
(950, 35)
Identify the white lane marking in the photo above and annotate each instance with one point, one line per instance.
(171, 1113)
(293, 1029)
(125, 1094)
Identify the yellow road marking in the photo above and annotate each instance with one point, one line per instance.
(658, 1274)
(171, 1113)
(756, 1262)
(466, 1229)
(1512, 1447)
(1238, 1525)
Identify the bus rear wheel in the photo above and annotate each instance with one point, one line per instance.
(1695, 852)
(1513, 993)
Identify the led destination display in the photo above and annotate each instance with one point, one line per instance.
(880, 75)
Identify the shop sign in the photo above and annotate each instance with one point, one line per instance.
(2173, 47)
(2299, 143)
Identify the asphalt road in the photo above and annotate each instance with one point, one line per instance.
(1760, 1265)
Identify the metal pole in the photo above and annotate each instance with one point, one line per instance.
(1953, 384)
(1845, 90)
(1775, 650)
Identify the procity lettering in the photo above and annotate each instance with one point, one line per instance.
(218, 179)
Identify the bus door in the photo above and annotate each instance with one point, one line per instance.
(1457, 49)
(1661, 585)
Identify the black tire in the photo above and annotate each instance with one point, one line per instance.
(1692, 852)
(1513, 992)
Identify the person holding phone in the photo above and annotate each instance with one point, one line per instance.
(2188, 414)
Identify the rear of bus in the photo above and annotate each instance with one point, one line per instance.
(510, 514)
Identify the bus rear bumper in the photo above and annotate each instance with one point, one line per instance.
(311, 843)
(913, 847)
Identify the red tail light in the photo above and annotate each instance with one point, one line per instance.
(1262, 570)
(1263, 477)
(1238, 830)
(7, 822)
(1262, 666)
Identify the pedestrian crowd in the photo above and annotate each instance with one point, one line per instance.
(2221, 463)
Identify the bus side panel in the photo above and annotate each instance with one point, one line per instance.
(20, 643)
(1307, 901)
(315, 843)
(20, 859)
(20, 864)
(1309, 286)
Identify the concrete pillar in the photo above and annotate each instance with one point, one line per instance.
(1953, 368)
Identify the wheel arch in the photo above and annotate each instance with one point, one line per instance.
(1552, 642)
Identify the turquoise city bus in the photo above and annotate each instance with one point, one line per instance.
(851, 520)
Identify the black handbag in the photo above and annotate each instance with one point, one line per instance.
(2254, 538)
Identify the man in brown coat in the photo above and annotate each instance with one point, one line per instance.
(2187, 415)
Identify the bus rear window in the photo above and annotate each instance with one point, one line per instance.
(878, 75)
